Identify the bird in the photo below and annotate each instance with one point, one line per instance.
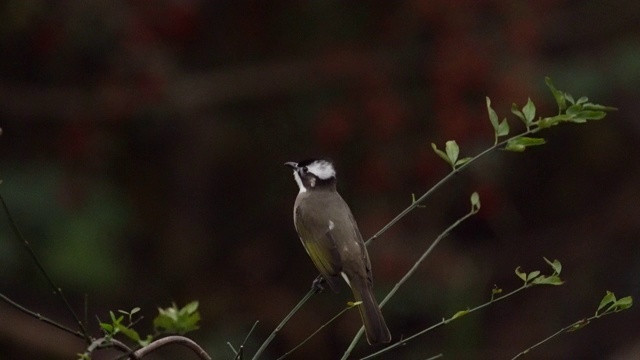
(330, 236)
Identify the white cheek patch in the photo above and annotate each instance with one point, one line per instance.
(299, 182)
(322, 169)
(331, 225)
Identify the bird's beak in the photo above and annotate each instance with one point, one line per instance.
(291, 164)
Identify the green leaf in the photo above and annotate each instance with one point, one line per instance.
(459, 314)
(591, 115)
(452, 151)
(503, 128)
(554, 120)
(475, 201)
(596, 107)
(624, 303)
(557, 94)
(174, 320)
(128, 332)
(493, 117)
(463, 161)
(529, 111)
(555, 265)
(582, 100)
(548, 280)
(578, 120)
(352, 303)
(532, 275)
(574, 109)
(190, 308)
(521, 143)
(515, 147)
(107, 327)
(607, 299)
(518, 113)
(521, 274)
(441, 153)
(569, 98)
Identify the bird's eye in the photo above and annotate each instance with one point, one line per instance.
(304, 169)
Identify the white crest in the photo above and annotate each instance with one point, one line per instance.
(322, 169)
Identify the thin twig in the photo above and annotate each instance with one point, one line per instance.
(240, 352)
(41, 317)
(424, 196)
(409, 273)
(284, 321)
(446, 321)
(315, 332)
(56, 290)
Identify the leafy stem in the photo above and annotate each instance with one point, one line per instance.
(608, 305)
(531, 279)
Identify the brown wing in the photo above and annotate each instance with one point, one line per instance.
(347, 238)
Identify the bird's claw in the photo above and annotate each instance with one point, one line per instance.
(317, 284)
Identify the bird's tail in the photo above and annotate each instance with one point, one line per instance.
(374, 324)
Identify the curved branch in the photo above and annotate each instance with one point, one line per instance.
(180, 340)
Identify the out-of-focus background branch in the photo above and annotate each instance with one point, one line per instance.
(143, 144)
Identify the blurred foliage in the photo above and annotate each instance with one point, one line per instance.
(143, 141)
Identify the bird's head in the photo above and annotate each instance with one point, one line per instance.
(313, 174)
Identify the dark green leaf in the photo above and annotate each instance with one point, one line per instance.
(557, 94)
(596, 107)
(591, 115)
(574, 109)
(520, 144)
(569, 98)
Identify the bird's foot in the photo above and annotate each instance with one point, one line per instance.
(318, 284)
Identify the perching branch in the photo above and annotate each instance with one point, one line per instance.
(475, 207)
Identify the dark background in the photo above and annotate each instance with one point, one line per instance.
(143, 144)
